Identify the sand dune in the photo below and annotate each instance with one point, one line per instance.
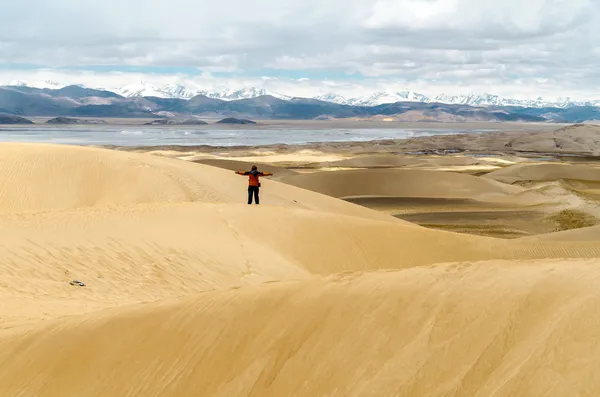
(440, 163)
(155, 251)
(545, 172)
(391, 160)
(400, 183)
(497, 328)
(42, 177)
(191, 291)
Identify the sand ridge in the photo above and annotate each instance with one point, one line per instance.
(190, 290)
(126, 256)
(94, 177)
(394, 161)
(515, 328)
(468, 203)
(400, 182)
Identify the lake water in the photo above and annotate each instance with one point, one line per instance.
(154, 136)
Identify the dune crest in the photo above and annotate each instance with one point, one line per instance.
(171, 250)
(47, 177)
(400, 182)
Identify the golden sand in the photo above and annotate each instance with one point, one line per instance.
(190, 291)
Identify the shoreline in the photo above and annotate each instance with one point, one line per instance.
(469, 144)
(39, 121)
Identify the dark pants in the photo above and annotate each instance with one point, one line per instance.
(253, 190)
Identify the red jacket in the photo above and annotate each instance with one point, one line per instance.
(253, 176)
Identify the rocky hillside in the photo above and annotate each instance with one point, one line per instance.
(75, 101)
(11, 119)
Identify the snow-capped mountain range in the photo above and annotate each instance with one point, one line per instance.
(182, 92)
(144, 89)
(381, 98)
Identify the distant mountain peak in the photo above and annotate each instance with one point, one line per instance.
(143, 89)
(333, 98)
(188, 90)
(229, 94)
(383, 97)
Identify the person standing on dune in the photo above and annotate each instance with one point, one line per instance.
(253, 182)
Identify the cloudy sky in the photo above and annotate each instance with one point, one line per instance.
(517, 48)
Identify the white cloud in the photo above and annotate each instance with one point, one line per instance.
(488, 18)
(425, 45)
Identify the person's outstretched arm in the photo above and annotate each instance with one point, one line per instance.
(267, 174)
(241, 172)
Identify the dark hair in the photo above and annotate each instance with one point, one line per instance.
(254, 168)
